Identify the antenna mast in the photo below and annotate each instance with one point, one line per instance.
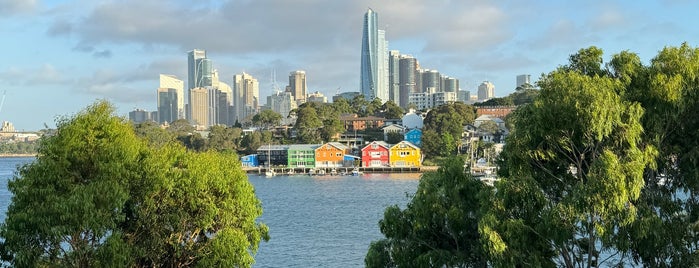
(3, 100)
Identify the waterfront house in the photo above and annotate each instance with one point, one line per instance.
(414, 136)
(392, 129)
(249, 160)
(276, 154)
(375, 154)
(302, 155)
(405, 154)
(331, 154)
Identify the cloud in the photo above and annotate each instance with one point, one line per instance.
(15, 7)
(46, 74)
(102, 54)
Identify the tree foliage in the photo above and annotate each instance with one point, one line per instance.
(98, 196)
(267, 118)
(572, 166)
(439, 226)
(446, 119)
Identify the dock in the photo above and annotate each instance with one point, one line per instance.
(340, 170)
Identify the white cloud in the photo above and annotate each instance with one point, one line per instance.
(15, 7)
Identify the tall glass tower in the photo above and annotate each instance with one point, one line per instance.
(374, 64)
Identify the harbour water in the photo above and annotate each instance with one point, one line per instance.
(318, 221)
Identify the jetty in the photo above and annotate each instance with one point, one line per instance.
(338, 170)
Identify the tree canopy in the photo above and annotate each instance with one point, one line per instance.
(439, 226)
(600, 169)
(98, 196)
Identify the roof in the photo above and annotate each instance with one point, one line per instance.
(380, 143)
(407, 143)
(484, 117)
(273, 147)
(414, 130)
(337, 145)
(303, 147)
(394, 126)
(367, 118)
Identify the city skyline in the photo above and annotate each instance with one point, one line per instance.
(63, 55)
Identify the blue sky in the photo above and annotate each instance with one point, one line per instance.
(60, 56)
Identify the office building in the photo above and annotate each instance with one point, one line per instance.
(199, 107)
(523, 79)
(139, 116)
(281, 103)
(297, 86)
(317, 97)
(224, 104)
(170, 99)
(374, 60)
(486, 91)
(246, 95)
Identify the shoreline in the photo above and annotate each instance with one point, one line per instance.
(367, 170)
(17, 155)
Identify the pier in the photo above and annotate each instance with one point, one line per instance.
(339, 170)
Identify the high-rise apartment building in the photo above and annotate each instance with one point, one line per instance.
(407, 79)
(170, 99)
(394, 76)
(246, 95)
(523, 79)
(199, 106)
(374, 59)
(486, 91)
(297, 86)
(449, 84)
(431, 81)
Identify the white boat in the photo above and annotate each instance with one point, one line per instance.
(355, 172)
(270, 173)
(321, 172)
(291, 171)
(333, 172)
(311, 172)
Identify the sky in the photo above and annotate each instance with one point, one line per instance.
(61, 56)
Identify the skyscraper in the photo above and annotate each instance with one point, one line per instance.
(374, 59)
(194, 67)
(486, 91)
(170, 99)
(450, 84)
(430, 81)
(199, 106)
(246, 93)
(407, 79)
(523, 79)
(199, 74)
(297, 86)
(394, 76)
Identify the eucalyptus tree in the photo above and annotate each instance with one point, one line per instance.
(439, 226)
(572, 169)
(98, 196)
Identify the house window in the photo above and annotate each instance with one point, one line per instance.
(338, 154)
